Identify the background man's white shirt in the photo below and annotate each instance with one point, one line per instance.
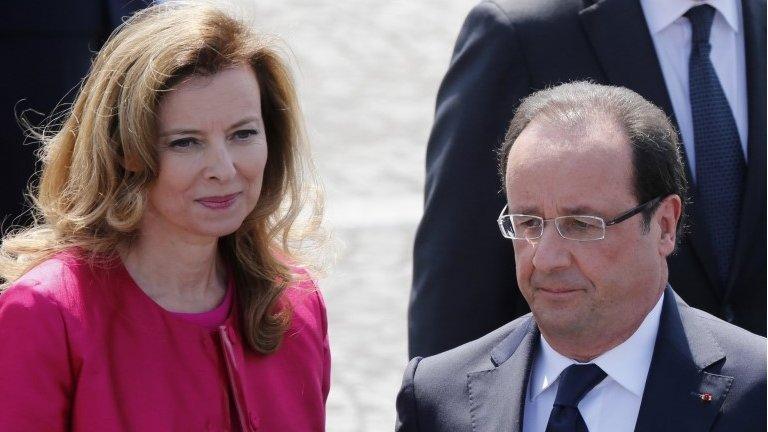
(671, 34)
(614, 404)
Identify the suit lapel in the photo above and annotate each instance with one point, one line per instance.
(497, 395)
(753, 210)
(678, 382)
(619, 35)
(623, 45)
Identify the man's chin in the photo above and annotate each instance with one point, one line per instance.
(558, 320)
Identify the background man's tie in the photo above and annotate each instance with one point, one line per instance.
(575, 382)
(720, 166)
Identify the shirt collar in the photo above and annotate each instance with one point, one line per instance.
(627, 364)
(659, 14)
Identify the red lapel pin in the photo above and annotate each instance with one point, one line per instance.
(705, 397)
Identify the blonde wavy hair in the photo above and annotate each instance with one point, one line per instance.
(87, 198)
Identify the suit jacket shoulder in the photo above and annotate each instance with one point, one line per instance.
(744, 359)
(470, 357)
(711, 371)
(449, 392)
(536, 11)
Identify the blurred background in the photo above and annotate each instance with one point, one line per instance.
(368, 73)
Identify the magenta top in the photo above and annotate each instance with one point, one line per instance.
(91, 351)
(214, 317)
(211, 320)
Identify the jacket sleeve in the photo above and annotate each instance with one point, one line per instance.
(407, 414)
(326, 346)
(464, 279)
(36, 377)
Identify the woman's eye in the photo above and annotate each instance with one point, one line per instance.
(182, 143)
(245, 134)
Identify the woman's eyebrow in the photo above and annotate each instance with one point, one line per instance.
(186, 131)
(246, 120)
(179, 132)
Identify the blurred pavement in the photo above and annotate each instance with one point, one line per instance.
(368, 73)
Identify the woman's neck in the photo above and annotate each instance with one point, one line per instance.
(181, 275)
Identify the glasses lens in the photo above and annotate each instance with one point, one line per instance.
(581, 227)
(505, 225)
(527, 227)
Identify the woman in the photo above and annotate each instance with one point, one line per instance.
(158, 291)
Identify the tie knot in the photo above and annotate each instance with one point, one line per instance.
(701, 18)
(576, 381)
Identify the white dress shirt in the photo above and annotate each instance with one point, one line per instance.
(671, 34)
(613, 404)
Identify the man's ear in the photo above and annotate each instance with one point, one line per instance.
(667, 217)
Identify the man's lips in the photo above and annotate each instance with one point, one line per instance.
(218, 202)
(558, 291)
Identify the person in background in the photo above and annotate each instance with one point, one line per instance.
(595, 191)
(702, 62)
(159, 288)
(48, 46)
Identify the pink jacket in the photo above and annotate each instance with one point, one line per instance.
(89, 351)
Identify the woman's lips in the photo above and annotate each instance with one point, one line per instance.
(219, 202)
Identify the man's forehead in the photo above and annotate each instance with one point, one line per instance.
(545, 136)
(545, 143)
(578, 167)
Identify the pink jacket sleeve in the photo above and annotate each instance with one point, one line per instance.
(36, 377)
(326, 346)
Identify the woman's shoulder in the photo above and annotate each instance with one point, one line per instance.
(36, 298)
(61, 279)
(305, 300)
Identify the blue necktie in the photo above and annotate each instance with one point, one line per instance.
(720, 166)
(575, 382)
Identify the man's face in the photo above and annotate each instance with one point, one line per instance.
(585, 289)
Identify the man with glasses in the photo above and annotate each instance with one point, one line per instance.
(595, 190)
(703, 62)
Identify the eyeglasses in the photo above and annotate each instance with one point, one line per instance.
(572, 227)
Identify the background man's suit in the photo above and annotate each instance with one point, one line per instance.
(464, 281)
(47, 48)
(481, 386)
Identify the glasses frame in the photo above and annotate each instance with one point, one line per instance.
(618, 219)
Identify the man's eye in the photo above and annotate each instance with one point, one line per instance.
(245, 134)
(526, 222)
(583, 223)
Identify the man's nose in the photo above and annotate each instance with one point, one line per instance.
(551, 251)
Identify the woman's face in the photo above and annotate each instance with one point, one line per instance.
(212, 151)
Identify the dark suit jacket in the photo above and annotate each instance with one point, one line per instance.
(464, 278)
(47, 46)
(480, 386)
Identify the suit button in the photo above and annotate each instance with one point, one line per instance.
(728, 314)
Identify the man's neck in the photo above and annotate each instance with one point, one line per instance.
(586, 346)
